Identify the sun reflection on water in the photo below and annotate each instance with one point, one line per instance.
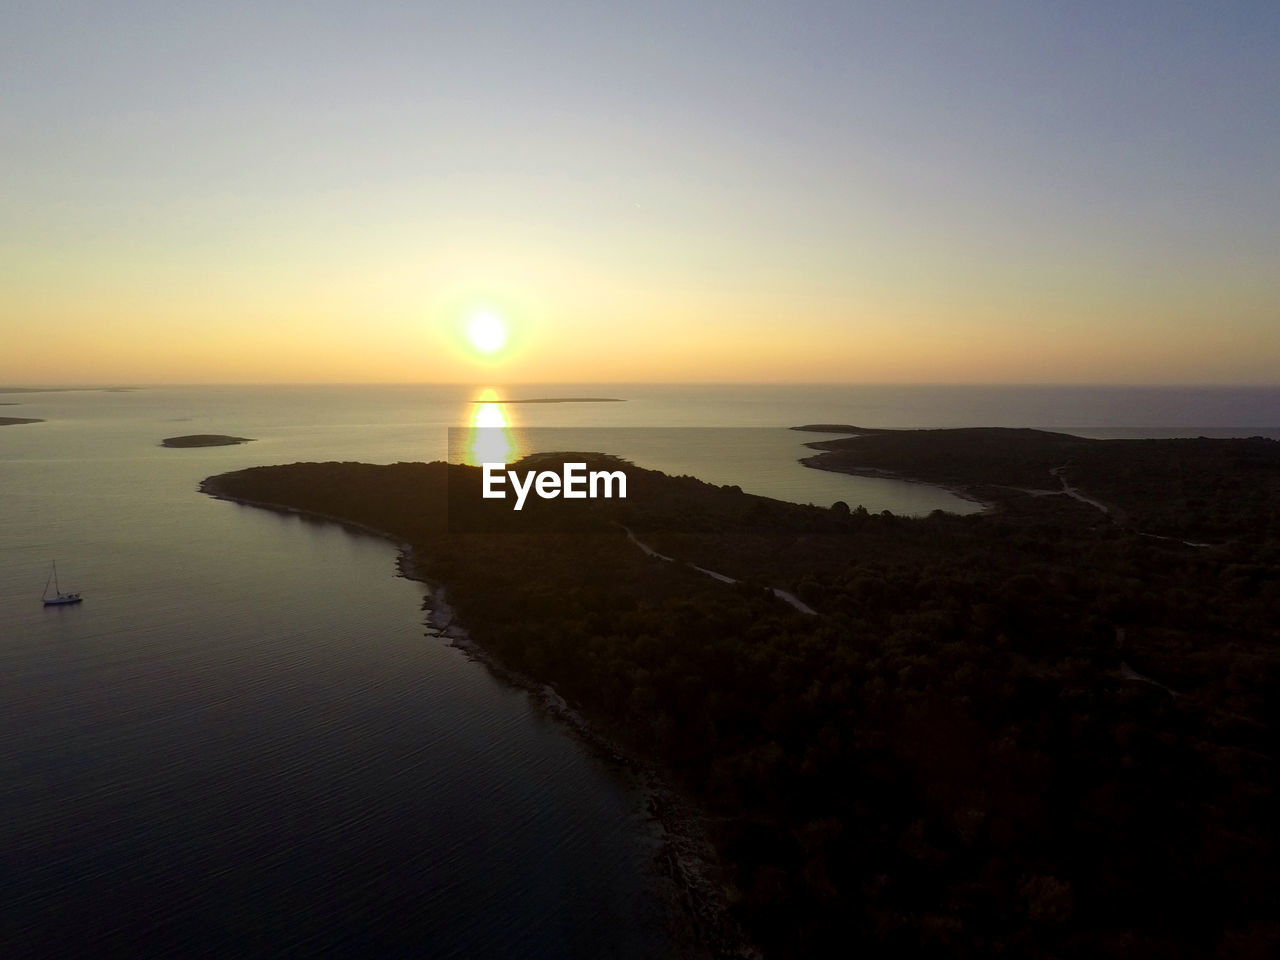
(491, 436)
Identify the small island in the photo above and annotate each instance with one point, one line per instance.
(558, 400)
(204, 440)
(10, 421)
(12, 389)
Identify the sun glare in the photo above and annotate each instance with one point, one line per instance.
(490, 439)
(487, 332)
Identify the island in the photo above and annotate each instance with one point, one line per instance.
(10, 389)
(204, 440)
(559, 400)
(1047, 729)
(11, 421)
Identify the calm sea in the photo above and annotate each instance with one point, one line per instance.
(243, 742)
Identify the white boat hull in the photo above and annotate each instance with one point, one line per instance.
(59, 599)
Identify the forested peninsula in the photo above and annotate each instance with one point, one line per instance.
(1043, 730)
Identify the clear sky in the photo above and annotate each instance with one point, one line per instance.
(722, 190)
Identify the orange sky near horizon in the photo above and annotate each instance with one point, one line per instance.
(819, 193)
(574, 334)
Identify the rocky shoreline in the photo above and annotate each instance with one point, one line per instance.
(686, 857)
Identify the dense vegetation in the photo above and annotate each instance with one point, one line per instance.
(956, 756)
(1186, 488)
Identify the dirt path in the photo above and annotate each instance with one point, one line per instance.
(1128, 673)
(1071, 491)
(785, 596)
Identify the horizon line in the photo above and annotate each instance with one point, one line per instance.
(1078, 384)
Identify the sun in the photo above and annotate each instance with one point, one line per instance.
(487, 332)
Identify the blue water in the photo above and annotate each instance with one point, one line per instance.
(243, 742)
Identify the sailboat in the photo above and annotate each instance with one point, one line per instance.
(58, 597)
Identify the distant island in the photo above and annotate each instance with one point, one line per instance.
(204, 440)
(4, 389)
(558, 400)
(1047, 729)
(10, 421)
